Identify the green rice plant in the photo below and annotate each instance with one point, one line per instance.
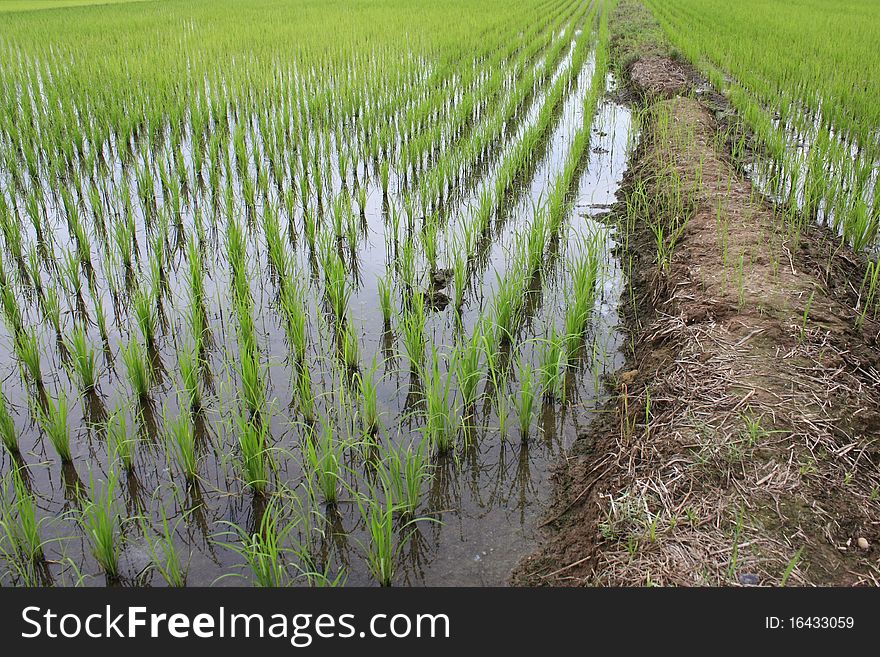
(466, 365)
(196, 272)
(101, 319)
(82, 358)
(139, 370)
(27, 349)
(380, 550)
(295, 318)
(582, 299)
(792, 564)
(11, 309)
(144, 305)
(188, 365)
(405, 471)
(369, 403)
(384, 285)
(407, 264)
(264, 550)
(21, 544)
(8, 434)
(120, 445)
(101, 522)
(164, 555)
(553, 366)
(459, 276)
(324, 459)
(304, 394)
(253, 442)
(253, 381)
(413, 328)
(54, 420)
(350, 349)
(52, 308)
(440, 424)
(180, 442)
(336, 282)
(526, 402)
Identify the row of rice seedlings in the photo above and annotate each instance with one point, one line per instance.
(524, 150)
(466, 152)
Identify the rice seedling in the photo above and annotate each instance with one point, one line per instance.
(180, 442)
(188, 365)
(552, 366)
(253, 381)
(466, 364)
(350, 349)
(380, 550)
(120, 444)
(27, 349)
(440, 422)
(304, 394)
(369, 404)
(21, 543)
(82, 358)
(525, 403)
(384, 285)
(412, 325)
(324, 459)
(54, 420)
(405, 472)
(583, 299)
(264, 550)
(295, 318)
(101, 522)
(139, 370)
(144, 305)
(164, 553)
(8, 434)
(253, 442)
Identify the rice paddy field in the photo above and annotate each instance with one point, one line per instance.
(299, 292)
(804, 78)
(319, 293)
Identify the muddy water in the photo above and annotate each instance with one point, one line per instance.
(484, 506)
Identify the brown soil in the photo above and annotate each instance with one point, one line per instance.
(743, 446)
(655, 76)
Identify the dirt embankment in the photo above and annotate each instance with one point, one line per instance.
(743, 444)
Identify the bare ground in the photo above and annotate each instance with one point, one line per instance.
(743, 446)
